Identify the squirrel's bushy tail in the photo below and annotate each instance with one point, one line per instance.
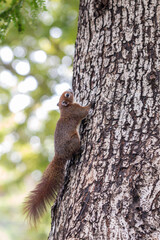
(45, 191)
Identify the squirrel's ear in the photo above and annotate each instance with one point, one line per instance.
(58, 104)
(65, 104)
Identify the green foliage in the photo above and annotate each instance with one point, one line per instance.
(27, 133)
(14, 12)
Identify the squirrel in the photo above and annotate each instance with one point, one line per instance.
(66, 144)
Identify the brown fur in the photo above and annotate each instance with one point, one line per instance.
(67, 143)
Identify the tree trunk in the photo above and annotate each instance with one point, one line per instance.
(112, 191)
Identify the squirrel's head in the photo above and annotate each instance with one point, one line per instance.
(66, 99)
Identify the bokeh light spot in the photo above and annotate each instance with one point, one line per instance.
(19, 102)
(22, 67)
(46, 18)
(6, 54)
(29, 84)
(55, 32)
(7, 79)
(36, 175)
(66, 60)
(19, 52)
(60, 88)
(38, 56)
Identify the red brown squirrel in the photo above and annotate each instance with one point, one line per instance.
(67, 144)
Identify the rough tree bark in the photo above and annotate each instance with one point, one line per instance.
(113, 190)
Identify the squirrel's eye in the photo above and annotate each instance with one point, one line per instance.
(67, 95)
